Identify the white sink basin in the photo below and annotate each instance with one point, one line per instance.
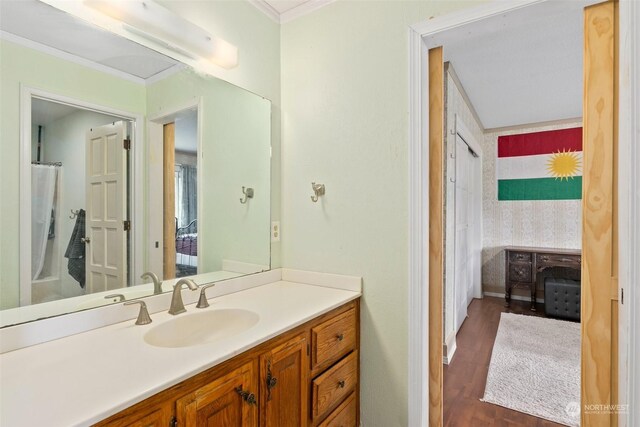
(187, 330)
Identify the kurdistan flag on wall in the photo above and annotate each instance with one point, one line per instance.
(540, 165)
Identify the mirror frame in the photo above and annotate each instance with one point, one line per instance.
(136, 190)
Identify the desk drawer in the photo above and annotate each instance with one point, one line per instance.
(558, 260)
(520, 272)
(519, 256)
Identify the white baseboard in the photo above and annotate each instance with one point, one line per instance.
(514, 297)
(449, 348)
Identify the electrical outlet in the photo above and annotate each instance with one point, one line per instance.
(275, 231)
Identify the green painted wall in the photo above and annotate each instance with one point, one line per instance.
(258, 40)
(20, 66)
(235, 153)
(345, 107)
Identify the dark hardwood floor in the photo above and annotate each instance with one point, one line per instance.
(465, 376)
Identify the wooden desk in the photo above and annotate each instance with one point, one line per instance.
(523, 264)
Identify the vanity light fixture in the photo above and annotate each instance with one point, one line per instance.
(154, 22)
(318, 190)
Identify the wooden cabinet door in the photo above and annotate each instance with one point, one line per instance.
(229, 401)
(284, 373)
(143, 415)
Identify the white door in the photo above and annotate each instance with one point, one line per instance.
(106, 241)
(462, 270)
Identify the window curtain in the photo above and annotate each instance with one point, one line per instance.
(186, 194)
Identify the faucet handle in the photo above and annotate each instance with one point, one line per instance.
(202, 301)
(143, 315)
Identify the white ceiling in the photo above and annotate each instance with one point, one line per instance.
(523, 67)
(45, 112)
(46, 25)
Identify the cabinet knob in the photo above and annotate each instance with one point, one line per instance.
(340, 337)
(341, 383)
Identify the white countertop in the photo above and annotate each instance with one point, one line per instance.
(84, 378)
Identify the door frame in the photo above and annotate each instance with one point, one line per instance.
(136, 201)
(155, 126)
(629, 108)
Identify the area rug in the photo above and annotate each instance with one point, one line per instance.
(535, 368)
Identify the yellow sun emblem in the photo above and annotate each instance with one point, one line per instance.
(564, 164)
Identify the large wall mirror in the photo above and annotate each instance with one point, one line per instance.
(116, 161)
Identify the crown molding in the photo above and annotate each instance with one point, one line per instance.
(291, 14)
(303, 9)
(267, 9)
(69, 57)
(165, 73)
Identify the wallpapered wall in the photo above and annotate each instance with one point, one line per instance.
(553, 223)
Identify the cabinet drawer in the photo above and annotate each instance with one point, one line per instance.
(520, 256)
(344, 415)
(332, 386)
(520, 272)
(558, 260)
(334, 338)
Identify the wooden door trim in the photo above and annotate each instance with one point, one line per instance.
(598, 308)
(168, 201)
(436, 234)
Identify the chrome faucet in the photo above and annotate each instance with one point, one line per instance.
(177, 306)
(157, 284)
(202, 301)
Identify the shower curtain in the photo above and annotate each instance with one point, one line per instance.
(43, 187)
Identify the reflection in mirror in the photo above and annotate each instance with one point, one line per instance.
(128, 162)
(79, 202)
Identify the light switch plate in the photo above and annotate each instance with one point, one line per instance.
(275, 231)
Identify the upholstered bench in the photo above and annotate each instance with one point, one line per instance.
(562, 298)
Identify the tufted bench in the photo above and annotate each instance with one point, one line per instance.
(562, 298)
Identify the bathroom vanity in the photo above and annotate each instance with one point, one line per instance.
(284, 351)
(306, 376)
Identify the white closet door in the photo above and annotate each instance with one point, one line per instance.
(475, 228)
(462, 273)
(106, 204)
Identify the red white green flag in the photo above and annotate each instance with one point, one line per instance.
(540, 165)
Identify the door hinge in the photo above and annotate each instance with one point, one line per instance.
(126, 144)
(127, 225)
(621, 295)
(173, 422)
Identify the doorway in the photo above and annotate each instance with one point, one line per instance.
(430, 100)
(75, 157)
(175, 143)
